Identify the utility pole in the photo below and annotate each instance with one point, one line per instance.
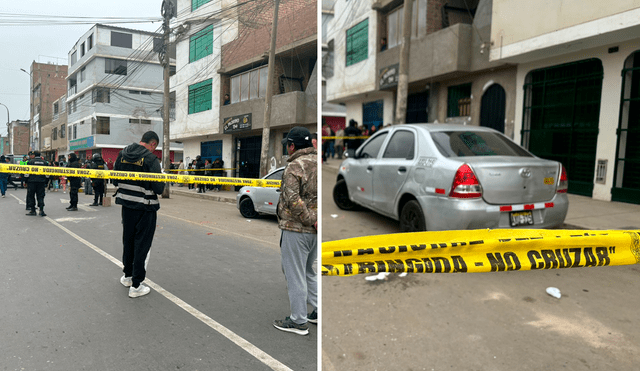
(167, 12)
(266, 123)
(403, 78)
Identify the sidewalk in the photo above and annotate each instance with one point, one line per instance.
(584, 212)
(222, 196)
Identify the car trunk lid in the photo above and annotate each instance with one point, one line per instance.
(515, 180)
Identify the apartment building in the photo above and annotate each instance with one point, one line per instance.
(48, 83)
(451, 78)
(114, 92)
(19, 137)
(223, 50)
(577, 88)
(58, 128)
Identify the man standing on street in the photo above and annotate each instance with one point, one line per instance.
(139, 200)
(97, 163)
(36, 186)
(297, 218)
(3, 177)
(74, 183)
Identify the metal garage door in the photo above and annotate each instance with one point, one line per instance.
(560, 121)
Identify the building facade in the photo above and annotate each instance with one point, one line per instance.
(451, 78)
(19, 138)
(48, 83)
(228, 56)
(58, 128)
(577, 88)
(114, 92)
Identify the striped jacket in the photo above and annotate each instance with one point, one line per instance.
(141, 195)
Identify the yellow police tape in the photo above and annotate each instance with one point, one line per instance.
(480, 251)
(212, 169)
(360, 137)
(130, 175)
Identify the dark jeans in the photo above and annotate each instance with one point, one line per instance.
(98, 192)
(35, 190)
(138, 228)
(73, 195)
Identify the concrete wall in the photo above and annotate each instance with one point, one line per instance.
(522, 26)
(359, 78)
(609, 107)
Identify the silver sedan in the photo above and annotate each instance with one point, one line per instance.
(252, 201)
(447, 177)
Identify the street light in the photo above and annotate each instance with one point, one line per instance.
(8, 123)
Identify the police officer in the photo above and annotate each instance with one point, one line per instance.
(97, 163)
(36, 185)
(74, 183)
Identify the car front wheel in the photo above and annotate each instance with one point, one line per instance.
(412, 218)
(341, 196)
(246, 208)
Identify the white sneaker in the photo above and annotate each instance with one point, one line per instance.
(140, 291)
(126, 281)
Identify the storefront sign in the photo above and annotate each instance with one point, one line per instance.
(77, 144)
(237, 123)
(389, 76)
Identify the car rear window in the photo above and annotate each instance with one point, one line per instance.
(476, 143)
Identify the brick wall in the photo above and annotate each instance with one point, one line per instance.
(297, 20)
(434, 15)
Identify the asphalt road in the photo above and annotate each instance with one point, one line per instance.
(216, 281)
(485, 321)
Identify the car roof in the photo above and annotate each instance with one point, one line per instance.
(434, 127)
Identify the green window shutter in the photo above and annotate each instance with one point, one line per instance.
(200, 96)
(195, 4)
(357, 43)
(201, 44)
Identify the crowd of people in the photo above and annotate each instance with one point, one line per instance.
(203, 168)
(338, 145)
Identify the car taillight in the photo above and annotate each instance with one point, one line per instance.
(563, 184)
(465, 184)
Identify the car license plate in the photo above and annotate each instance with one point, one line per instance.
(521, 218)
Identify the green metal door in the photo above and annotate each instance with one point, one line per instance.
(560, 120)
(626, 178)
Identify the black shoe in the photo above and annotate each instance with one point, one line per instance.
(72, 209)
(32, 212)
(313, 317)
(95, 204)
(42, 212)
(289, 326)
(69, 207)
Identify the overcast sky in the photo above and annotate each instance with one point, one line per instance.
(22, 44)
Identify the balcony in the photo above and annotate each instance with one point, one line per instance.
(444, 53)
(293, 108)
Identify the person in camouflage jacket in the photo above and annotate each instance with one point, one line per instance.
(297, 219)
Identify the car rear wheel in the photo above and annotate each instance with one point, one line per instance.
(246, 208)
(412, 218)
(341, 196)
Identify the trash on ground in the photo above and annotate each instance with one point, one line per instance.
(553, 291)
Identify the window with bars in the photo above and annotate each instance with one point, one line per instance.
(140, 121)
(102, 125)
(195, 4)
(101, 95)
(200, 96)
(201, 44)
(357, 43)
(62, 131)
(249, 85)
(459, 100)
(115, 66)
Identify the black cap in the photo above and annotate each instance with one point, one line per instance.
(36, 153)
(299, 136)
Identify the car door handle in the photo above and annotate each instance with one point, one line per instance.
(369, 168)
(402, 169)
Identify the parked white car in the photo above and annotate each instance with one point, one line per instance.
(447, 177)
(252, 201)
